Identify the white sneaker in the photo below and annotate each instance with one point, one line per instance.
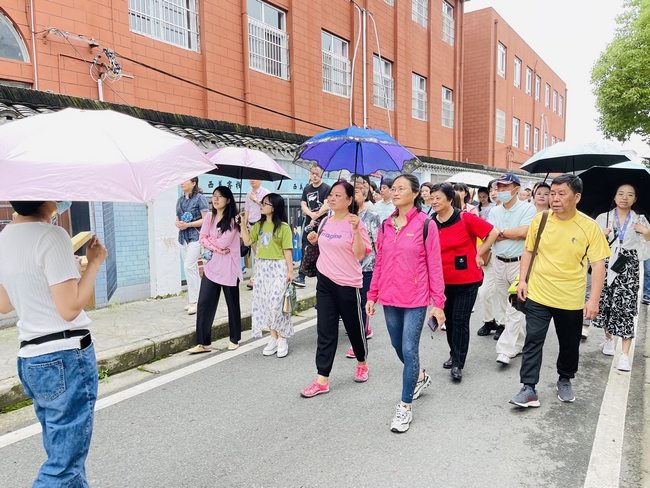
(283, 347)
(624, 363)
(186, 307)
(503, 359)
(402, 420)
(191, 309)
(271, 348)
(610, 347)
(585, 332)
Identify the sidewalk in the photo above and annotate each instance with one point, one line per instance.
(132, 334)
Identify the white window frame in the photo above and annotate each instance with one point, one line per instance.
(538, 87)
(554, 101)
(383, 83)
(501, 60)
(268, 46)
(500, 132)
(545, 140)
(515, 132)
(547, 96)
(420, 12)
(336, 65)
(447, 107)
(526, 137)
(390, 2)
(174, 22)
(536, 140)
(517, 64)
(419, 96)
(561, 107)
(529, 80)
(448, 23)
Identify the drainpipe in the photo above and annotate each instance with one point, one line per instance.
(364, 48)
(458, 124)
(33, 29)
(493, 123)
(245, 62)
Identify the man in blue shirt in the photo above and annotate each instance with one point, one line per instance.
(512, 219)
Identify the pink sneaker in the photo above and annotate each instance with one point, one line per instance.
(316, 389)
(350, 354)
(369, 333)
(362, 373)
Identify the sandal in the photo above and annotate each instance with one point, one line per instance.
(199, 349)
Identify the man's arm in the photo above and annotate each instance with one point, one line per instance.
(597, 281)
(518, 233)
(5, 303)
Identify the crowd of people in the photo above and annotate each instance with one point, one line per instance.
(424, 252)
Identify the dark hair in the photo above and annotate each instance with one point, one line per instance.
(415, 188)
(491, 183)
(227, 221)
(26, 209)
(196, 188)
(483, 189)
(446, 189)
(388, 182)
(574, 182)
(279, 215)
(465, 188)
(636, 192)
(349, 191)
(427, 184)
(373, 186)
(540, 185)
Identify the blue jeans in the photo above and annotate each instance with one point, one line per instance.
(63, 385)
(405, 328)
(646, 278)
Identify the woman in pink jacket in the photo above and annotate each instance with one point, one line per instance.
(220, 235)
(406, 280)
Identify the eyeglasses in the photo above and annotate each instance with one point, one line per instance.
(266, 204)
(400, 190)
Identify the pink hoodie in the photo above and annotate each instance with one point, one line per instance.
(406, 275)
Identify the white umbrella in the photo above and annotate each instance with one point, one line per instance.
(470, 178)
(93, 155)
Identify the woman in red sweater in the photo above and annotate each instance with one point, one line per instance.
(461, 268)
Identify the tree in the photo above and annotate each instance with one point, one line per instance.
(621, 76)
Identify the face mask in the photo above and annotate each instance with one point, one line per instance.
(504, 196)
(62, 207)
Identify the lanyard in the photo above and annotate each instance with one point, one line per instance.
(621, 231)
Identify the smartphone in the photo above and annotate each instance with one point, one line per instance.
(433, 325)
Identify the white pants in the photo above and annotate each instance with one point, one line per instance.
(190, 254)
(512, 339)
(486, 295)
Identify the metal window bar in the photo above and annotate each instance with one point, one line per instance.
(268, 49)
(172, 21)
(448, 113)
(336, 74)
(419, 104)
(448, 28)
(420, 12)
(383, 93)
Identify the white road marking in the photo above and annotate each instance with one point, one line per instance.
(26, 432)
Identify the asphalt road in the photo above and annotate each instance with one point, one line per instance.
(242, 423)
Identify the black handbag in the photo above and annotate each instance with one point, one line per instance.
(310, 256)
(244, 249)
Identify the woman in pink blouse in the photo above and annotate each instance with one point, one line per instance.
(219, 234)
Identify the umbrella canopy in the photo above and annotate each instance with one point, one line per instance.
(471, 179)
(93, 155)
(569, 157)
(243, 163)
(360, 151)
(600, 184)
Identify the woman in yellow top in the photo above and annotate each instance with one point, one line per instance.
(274, 272)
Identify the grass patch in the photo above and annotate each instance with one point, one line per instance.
(17, 406)
(103, 376)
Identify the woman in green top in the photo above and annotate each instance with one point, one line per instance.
(274, 271)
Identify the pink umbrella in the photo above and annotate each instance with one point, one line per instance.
(243, 163)
(93, 155)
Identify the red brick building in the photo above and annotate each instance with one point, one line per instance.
(291, 57)
(513, 103)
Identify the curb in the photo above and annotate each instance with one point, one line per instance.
(123, 358)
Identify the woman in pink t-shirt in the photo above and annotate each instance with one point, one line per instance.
(220, 235)
(343, 242)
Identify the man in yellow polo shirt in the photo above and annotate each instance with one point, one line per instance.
(557, 286)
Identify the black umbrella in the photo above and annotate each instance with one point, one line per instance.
(569, 157)
(600, 184)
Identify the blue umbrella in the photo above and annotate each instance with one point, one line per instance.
(360, 151)
(567, 157)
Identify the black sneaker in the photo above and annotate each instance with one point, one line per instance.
(497, 333)
(447, 364)
(487, 328)
(299, 281)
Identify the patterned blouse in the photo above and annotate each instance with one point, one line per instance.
(189, 210)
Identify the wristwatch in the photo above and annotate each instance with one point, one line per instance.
(501, 234)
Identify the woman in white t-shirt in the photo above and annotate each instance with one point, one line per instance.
(40, 279)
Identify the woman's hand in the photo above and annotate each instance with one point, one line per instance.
(439, 314)
(182, 225)
(289, 275)
(641, 229)
(479, 261)
(312, 237)
(96, 252)
(370, 308)
(607, 231)
(354, 222)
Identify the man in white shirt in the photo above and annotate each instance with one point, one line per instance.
(252, 214)
(385, 207)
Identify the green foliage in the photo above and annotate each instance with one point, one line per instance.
(17, 406)
(621, 76)
(103, 376)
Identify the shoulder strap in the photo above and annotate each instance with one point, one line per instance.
(425, 230)
(322, 225)
(542, 224)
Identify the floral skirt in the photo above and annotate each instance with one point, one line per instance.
(618, 302)
(268, 298)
